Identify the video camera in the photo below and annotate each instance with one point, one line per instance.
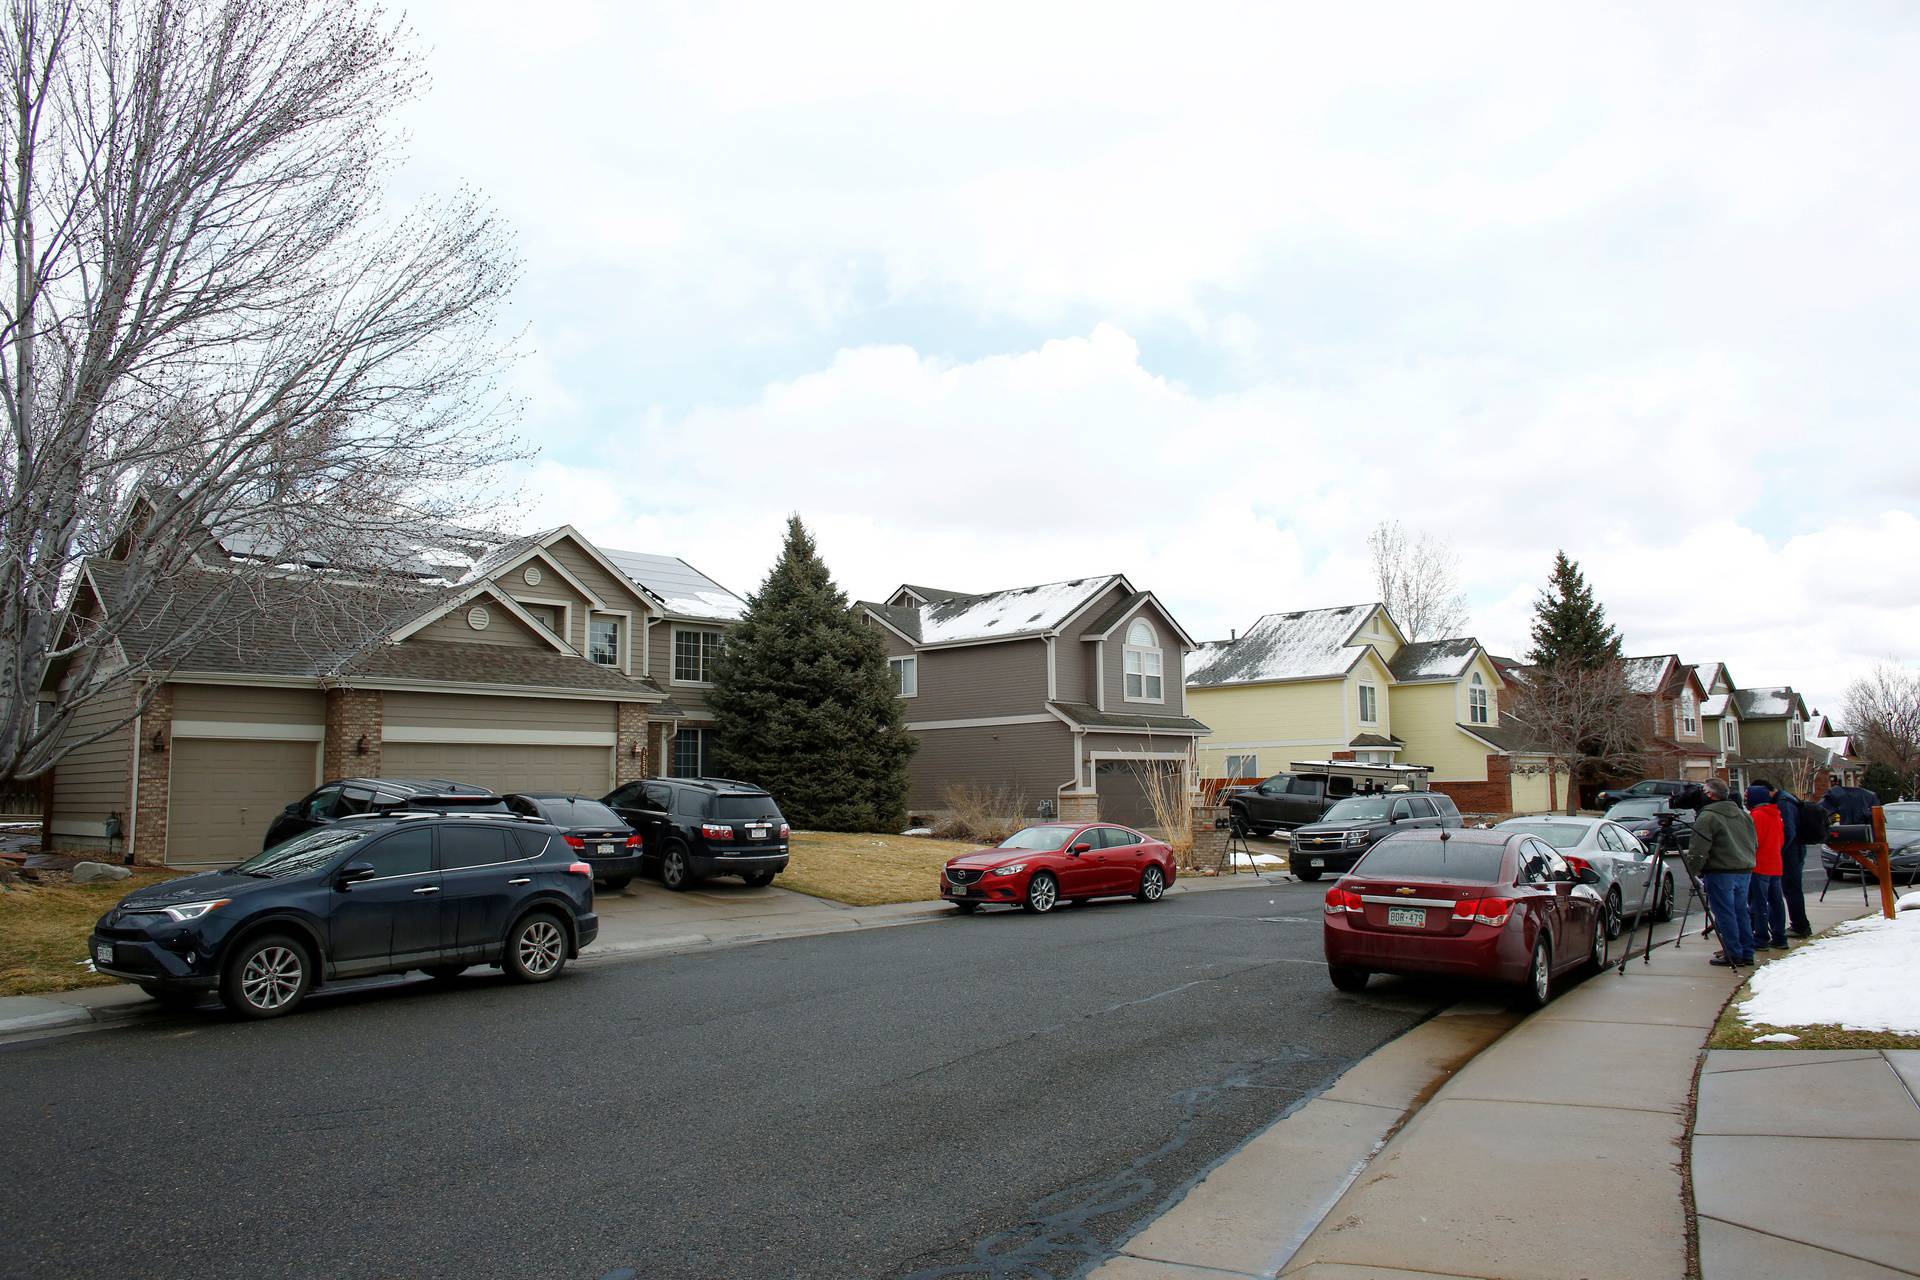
(1693, 799)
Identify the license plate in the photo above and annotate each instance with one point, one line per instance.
(1411, 917)
(958, 890)
(1316, 862)
(606, 851)
(757, 833)
(102, 953)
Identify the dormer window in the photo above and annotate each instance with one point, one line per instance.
(1143, 665)
(1478, 711)
(1689, 715)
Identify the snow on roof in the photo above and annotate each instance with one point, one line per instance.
(1836, 745)
(1307, 645)
(1861, 977)
(1433, 659)
(1711, 672)
(1716, 705)
(682, 589)
(432, 553)
(1013, 612)
(1775, 702)
(1643, 674)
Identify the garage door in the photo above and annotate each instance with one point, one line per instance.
(587, 770)
(1122, 787)
(223, 794)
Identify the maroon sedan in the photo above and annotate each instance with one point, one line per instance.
(1040, 867)
(1496, 905)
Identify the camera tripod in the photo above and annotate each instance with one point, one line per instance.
(1666, 842)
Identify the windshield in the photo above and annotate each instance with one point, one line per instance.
(1561, 835)
(303, 854)
(1037, 838)
(745, 807)
(1433, 859)
(1357, 809)
(1903, 819)
(579, 813)
(1637, 808)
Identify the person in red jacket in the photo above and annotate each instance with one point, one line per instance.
(1767, 897)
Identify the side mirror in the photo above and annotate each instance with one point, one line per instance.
(1080, 848)
(292, 810)
(354, 873)
(1588, 876)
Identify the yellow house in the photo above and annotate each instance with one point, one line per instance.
(1345, 684)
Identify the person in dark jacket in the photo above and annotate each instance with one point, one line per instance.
(1793, 861)
(1722, 854)
(1852, 804)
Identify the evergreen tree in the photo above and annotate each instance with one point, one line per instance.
(805, 705)
(1569, 626)
(1885, 782)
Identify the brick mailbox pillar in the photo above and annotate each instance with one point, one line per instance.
(630, 746)
(355, 718)
(1209, 841)
(153, 756)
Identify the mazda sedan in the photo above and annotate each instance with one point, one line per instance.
(1495, 905)
(1042, 866)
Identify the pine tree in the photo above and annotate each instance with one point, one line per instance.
(1569, 626)
(805, 705)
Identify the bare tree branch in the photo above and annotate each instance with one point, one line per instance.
(1585, 719)
(1883, 715)
(1419, 582)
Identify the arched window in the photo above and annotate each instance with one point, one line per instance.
(1477, 709)
(1143, 665)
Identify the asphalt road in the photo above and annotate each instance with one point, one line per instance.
(998, 1095)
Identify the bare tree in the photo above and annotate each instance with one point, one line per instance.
(1583, 719)
(1418, 579)
(204, 302)
(1883, 715)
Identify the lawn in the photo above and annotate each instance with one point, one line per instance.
(43, 932)
(866, 870)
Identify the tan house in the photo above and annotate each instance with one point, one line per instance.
(1672, 697)
(538, 663)
(1067, 695)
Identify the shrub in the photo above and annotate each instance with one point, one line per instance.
(976, 811)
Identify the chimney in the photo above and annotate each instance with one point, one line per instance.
(1233, 633)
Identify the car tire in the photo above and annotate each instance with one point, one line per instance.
(266, 977)
(1612, 916)
(614, 884)
(1597, 954)
(1043, 893)
(1307, 873)
(1663, 900)
(1153, 884)
(173, 998)
(758, 879)
(1347, 978)
(966, 908)
(536, 948)
(676, 872)
(445, 972)
(1537, 989)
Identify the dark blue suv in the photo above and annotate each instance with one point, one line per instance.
(366, 895)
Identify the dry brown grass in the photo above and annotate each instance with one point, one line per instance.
(1731, 1033)
(864, 870)
(43, 932)
(986, 815)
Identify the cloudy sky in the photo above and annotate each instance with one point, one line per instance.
(1001, 294)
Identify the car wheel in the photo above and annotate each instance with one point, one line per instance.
(1347, 978)
(966, 908)
(1043, 893)
(676, 873)
(1663, 900)
(267, 977)
(172, 997)
(1597, 956)
(445, 972)
(615, 884)
(536, 949)
(1153, 883)
(758, 879)
(1538, 988)
(1610, 913)
(1308, 873)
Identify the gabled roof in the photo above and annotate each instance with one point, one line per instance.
(1776, 702)
(1107, 623)
(682, 590)
(1716, 706)
(1085, 715)
(1711, 673)
(998, 615)
(1312, 644)
(1651, 674)
(455, 663)
(932, 595)
(1509, 736)
(1434, 659)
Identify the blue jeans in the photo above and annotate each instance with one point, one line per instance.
(1793, 861)
(1767, 904)
(1727, 899)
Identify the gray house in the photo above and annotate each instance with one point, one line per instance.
(1070, 694)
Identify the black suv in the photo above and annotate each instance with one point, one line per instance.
(1284, 801)
(1356, 824)
(1645, 789)
(370, 894)
(694, 827)
(344, 797)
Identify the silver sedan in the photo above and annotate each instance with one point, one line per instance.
(1625, 866)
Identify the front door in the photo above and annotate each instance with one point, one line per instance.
(394, 916)
(482, 875)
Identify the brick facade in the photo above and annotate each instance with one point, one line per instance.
(1495, 795)
(1080, 808)
(154, 774)
(632, 752)
(353, 715)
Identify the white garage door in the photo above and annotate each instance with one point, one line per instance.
(587, 770)
(224, 793)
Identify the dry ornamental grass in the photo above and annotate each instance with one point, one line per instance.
(44, 928)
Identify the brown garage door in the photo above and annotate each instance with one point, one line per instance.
(223, 794)
(586, 770)
(1122, 786)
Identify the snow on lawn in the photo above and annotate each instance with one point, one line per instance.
(1863, 976)
(1260, 861)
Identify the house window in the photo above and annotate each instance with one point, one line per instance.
(1243, 766)
(694, 650)
(906, 671)
(689, 757)
(1689, 718)
(1730, 735)
(1796, 732)
(1369, 705)
(1141, 661)
(603, 641)
(1477, 700)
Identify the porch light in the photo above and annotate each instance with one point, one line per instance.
(361, 747)
(159, 740)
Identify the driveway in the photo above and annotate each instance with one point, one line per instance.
(644, 917)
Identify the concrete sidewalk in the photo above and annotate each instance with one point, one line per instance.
(1557, 1153)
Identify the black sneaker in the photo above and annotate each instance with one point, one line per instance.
(1802, 933)
(1722, 961)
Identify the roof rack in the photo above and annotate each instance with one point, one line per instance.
(727, 782)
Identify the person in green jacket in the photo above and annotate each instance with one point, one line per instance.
(1722, 855)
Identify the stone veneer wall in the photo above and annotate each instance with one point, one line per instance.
(353, 714)
(149, 848)
(631, 747)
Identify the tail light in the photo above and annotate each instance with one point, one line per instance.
(633, 841)
(1339, 900)
(1580, 865)
(574, 842)
(714, 831)
(580, 869)
(785, 831)
(1490, 910)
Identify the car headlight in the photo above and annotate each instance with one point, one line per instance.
(1356, 837)
(194, 910)
(1011, 869)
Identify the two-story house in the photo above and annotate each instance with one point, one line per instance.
(1721, 720)
(683, 635)
(1671, 694)
(1773, 732)
(1067, 694)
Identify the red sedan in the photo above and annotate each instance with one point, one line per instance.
(1039, 867)
(1497, 905)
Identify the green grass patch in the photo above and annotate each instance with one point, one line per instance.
(44, 928)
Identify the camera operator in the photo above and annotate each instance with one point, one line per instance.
(1722, 854)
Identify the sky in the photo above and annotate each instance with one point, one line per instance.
(994, 295)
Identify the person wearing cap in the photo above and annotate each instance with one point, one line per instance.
(1766, 899)
(1722, 854)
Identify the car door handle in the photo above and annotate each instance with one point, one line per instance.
(432, 888)
(522, 880)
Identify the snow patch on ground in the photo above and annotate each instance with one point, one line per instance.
(917, 831)
(1260, 861)
(1778, 1037)
(1861, 977)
